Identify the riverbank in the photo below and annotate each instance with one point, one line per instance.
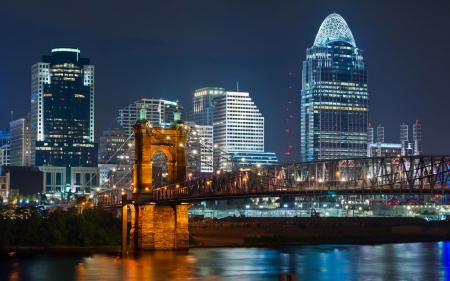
(238, 232)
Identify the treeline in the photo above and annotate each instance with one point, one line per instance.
(34, 226)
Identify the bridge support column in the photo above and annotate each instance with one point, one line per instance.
(160, 227)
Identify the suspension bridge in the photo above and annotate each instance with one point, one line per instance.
(159, 214)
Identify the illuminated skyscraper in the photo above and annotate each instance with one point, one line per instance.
(62, 111)
(203, 105)
(20, 142)
(158, 112)
(334, 96)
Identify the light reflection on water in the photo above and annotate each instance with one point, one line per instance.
(408, 261)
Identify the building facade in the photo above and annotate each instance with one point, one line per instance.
(159, 111)
(20, 146)
(5, 155)
(199, 149)
(334, 96)
(62, 111)
(113, 144)
(203, 105)
(238, 124)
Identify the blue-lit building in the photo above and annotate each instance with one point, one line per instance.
(253, 159)
(334, 96)
(62, 111)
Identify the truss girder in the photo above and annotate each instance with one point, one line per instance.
(412, 174)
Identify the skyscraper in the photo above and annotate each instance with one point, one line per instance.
(238, 124)
(113, 144)
(62, 111)
(203, 105)
(334, 96)
(239, 131)
(20, 148)
(159, 111)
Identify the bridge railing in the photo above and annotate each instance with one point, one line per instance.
(390, 174)
(414, 174)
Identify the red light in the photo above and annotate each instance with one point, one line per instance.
(389, 203)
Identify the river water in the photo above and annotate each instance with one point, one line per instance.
(406, 261)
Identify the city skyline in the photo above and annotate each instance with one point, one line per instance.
(168, 50)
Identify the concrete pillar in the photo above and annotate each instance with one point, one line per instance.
(160, 227)
(181, 229)
(144, 233)
(164, 227)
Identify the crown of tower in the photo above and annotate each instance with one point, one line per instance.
(334, 29)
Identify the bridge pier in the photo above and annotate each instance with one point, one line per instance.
(159, 227)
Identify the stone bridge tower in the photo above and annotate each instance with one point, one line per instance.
(158, 226)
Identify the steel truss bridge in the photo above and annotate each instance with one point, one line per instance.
(358, 176)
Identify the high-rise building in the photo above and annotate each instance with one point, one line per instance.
(203, 105)
(159, 111)
(113, 144)
(404, 138)
(239, 132)
(404, 148)
(417, 138)
(114, 157)
(5, 148)
(334, 96)
(62, 111)
(20, 146)
(199, 148)
(5, 154)
(238, 124)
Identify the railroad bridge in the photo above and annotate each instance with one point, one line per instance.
(160, 214)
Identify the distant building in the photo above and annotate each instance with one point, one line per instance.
(4, 137)
(199, 148)
(54, 180)
(238, 124)
(253, 159)
(115, 176)
(238, 127)
(417, 138)
(404, 148)
(5, 155)
(113, 144)
(62, 111)
(334, 97)
(159, 111)
(20, 142)
(27, 180)
(84, 180)
(203, 105)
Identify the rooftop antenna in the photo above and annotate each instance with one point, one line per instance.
(237, 84)
(12, 115)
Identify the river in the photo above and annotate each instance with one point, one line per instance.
(404, 261)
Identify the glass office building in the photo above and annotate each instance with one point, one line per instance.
(334, 96)
(62, 111)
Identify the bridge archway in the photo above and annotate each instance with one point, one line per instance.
(152, 140)
(159, 169)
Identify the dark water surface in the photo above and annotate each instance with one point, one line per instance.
(407, 261)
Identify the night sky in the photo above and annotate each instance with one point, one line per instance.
(168, 49)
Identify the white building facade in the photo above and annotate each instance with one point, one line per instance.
(200, 149)
(238, 124)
